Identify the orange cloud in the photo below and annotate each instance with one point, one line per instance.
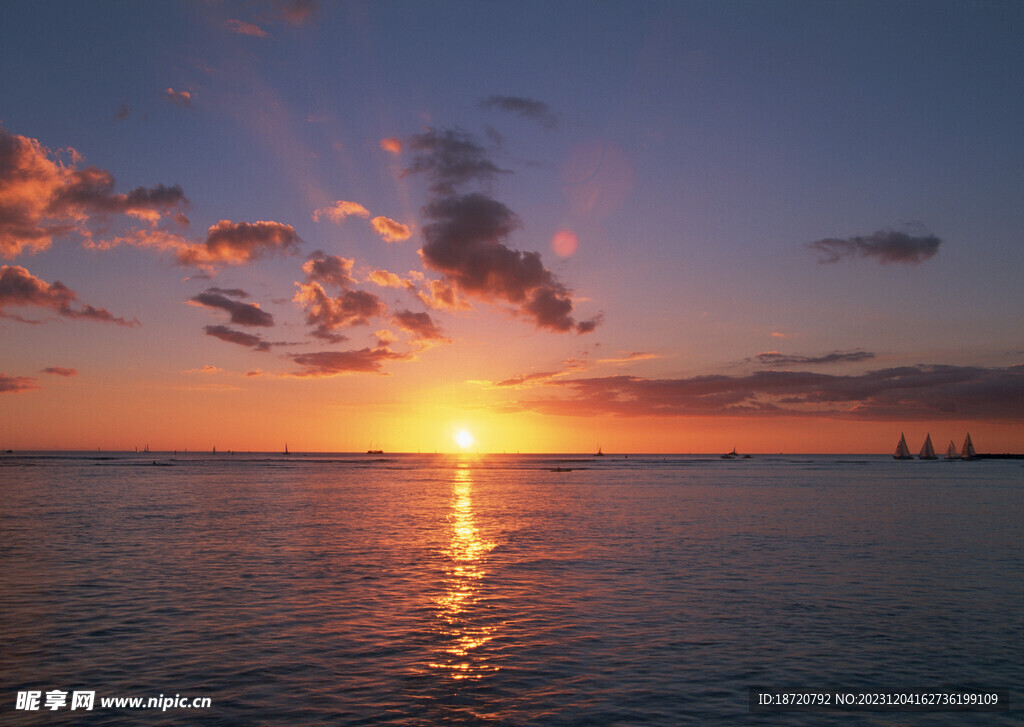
(237, 243)
(335, 363)
(340, 210)
(389, 230)
(327, 314)
(391, 145)
(19, 288)
(441, 296)
(178, 98)
(420, 325)
(42, 197)
(387, 279)
(329, 269)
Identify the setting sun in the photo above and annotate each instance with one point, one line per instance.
(464, 439)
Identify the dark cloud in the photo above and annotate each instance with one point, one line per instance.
(420, 325)
(18, 288)
(450, 159)
(60, 371)
(242, 314)
(16, 384)
(329, 314)
(42, 197)
(774, 358)
(887, 246)
(236, 243)
(528, 108)
(334, 363)
(911, 392)
(329, 270)
(238, 337)
(464, 243)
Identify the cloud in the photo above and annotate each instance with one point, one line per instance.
(774, 358)
(238, 337)
(386, 279)
(59, 371)
(242, 314)
(123, 112)
(389, 230)
(19, 288)
(391, 145)
(450, 158)
(16, 384)
(243, 28)
(420, 325)
(328, 314)
(42, 197)
(329, 270)
(543, 378)
(297, 12)
(525, 107)
(909, 393)
(887, 246)
(442, 296)
(464, 243)
(340, 210)
(334, 363)
(237, 243)
(206, 369)
(178, 98)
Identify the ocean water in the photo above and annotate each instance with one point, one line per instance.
(506, 590)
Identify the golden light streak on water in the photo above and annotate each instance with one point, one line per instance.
(457, 607)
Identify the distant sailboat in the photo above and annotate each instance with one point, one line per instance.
(927, 450)
(902, 450)
(286, 449)
(951, 452)
(730, 455)
(599, 453)
(968, 449)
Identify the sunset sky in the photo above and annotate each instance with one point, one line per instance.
(650, 227)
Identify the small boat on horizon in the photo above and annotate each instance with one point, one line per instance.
(599, 453)
(286, 449)
(902, 450)
(951, 452)
(730, 455)
(375, 451)
(927, 450)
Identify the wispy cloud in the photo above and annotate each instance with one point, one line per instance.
(17, 384)
(774, 358)
(19, 288)
(525, 107)
(335, 363)
(391, 145)
(60, 371)
(242, 314)
(911, 392)
(886, 246)
(243, 28)
(240, 338)
(297, 12)
(206, 369)
(42, 197)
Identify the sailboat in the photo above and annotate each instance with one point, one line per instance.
(927, 450)
(902, 450)
(951, 452)
(730, 455)
(599, 453)
(968, 449)
(286, 449)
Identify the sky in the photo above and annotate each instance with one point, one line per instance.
(647, 227)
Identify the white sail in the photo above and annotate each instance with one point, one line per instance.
(951, 452)
(927, 450)
(902, 450)
(968, 450)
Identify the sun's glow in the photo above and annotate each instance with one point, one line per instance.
(464, 439)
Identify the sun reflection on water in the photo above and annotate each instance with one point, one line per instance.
(458, 609)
